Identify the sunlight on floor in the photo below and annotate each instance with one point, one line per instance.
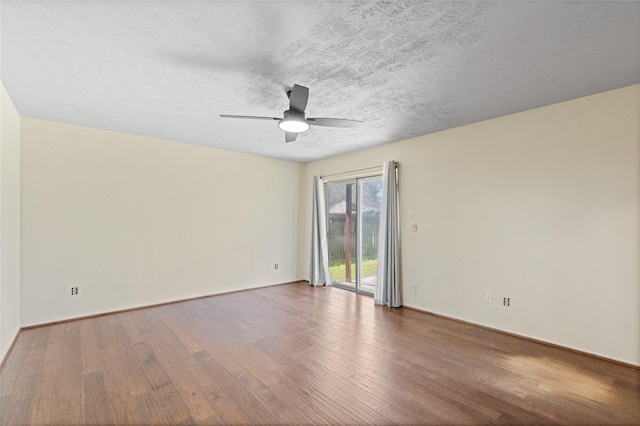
(556, 377)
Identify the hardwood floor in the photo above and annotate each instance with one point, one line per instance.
(294, 354)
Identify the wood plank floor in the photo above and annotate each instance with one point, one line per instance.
(294, 354)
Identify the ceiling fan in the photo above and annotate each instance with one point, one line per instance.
(294, 120)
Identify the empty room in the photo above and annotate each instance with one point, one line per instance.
(301, 213)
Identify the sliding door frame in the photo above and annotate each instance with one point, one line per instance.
(356, 182)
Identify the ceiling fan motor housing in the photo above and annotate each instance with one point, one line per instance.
(297, 115)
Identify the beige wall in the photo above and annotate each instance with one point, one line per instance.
(134, 221)
(541, 207)
(9, 222)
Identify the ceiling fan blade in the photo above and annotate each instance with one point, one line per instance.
(298, 98)
(251, 117)
(290, 136)
(334, 122)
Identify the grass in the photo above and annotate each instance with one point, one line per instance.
(337, 271)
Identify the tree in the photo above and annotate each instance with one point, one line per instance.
(371, 190)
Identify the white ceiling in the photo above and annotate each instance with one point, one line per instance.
(168, 69)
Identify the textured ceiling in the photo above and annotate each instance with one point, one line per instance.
(168, 69)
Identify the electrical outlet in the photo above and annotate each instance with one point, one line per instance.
(488, 297)
(506, 301)
(413, 288)
(74, 291)
(275, 266)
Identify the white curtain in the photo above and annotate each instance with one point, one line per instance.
(387, 290)
(319, 273)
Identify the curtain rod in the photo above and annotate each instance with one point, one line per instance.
(357, 170)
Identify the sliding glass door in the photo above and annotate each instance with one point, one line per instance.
(353, 224)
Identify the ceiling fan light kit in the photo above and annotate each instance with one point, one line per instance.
(294, 121)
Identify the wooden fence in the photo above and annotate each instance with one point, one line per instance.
(370, 232)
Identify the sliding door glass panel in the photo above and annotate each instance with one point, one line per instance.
(369, 205)
(353, 224)
(341, 232)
